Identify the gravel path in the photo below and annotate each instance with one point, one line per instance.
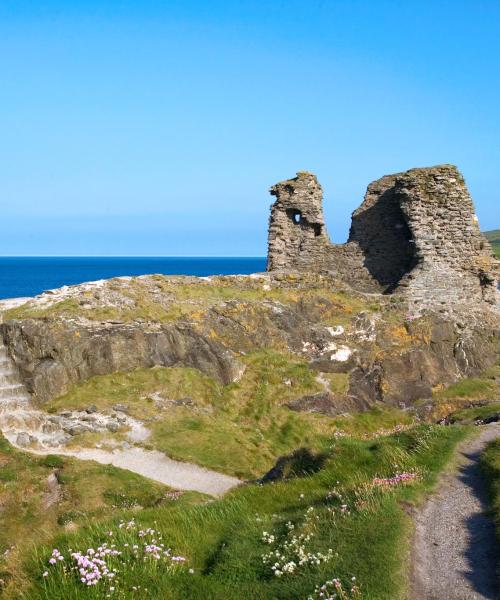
(454, 552)
(158, 466)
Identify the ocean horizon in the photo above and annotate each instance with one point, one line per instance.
(26, 276)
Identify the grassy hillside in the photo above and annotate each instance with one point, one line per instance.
(494, 238)
(239, 428)
(491, 468)
(344, 514)
(341, 510)
(41, 497)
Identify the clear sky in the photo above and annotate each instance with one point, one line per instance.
(156, 128)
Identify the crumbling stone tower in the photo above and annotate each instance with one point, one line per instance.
(297, 232)
(415, 233)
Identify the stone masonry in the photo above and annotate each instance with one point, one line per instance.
(415, 233)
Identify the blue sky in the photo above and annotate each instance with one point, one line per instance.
(156, 128)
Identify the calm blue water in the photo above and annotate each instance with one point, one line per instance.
(28, 276)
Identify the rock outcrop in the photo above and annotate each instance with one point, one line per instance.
(415, 233)
(373, 346)
(52, 355)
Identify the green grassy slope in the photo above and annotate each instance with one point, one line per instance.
(490, 462)
(33, 511)
(494, 238)
(342, 521)
(333, 494)
(240, 428)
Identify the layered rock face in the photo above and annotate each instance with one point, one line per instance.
(371, 347)
(51, 356)
(415, 233)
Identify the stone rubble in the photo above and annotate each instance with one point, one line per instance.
(26, 426)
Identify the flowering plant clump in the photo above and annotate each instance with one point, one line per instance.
(334, 590)
(292, 551)
(340, 503)
(369, 494)
(397, 479)
(175, 495)
(102, 565)
(383, 432)
(92, 565)
(340, 433)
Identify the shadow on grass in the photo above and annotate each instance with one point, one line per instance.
(300, 463)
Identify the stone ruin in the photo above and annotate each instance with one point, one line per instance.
(415, 233)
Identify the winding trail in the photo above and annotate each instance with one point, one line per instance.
(159, 467)
(41, 433)
(454, 551)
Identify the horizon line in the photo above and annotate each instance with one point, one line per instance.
(132, 256)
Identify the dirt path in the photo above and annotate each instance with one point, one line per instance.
(454, 552)
(159, 467)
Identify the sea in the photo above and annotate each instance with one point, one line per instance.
(29, 276)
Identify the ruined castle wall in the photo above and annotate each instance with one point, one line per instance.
(298, 238)
(415, 233)
(454, 260)
(297, 231)
(381, 231)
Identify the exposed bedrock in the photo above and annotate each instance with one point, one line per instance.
(381, 357)
(447, 353)
(53, 355)
(429, 317)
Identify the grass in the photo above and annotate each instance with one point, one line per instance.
(470, 414)
(378, 420)
(494, 238)
(222, 540)
(167, 299)
(239, 429)
(490, 463)
(86, 491)
(470, 398)
(469, 388)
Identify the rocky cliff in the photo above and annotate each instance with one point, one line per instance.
(374, 345)
(51, 355)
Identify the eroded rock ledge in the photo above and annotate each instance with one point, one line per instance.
(52, 355)
(375, 345)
